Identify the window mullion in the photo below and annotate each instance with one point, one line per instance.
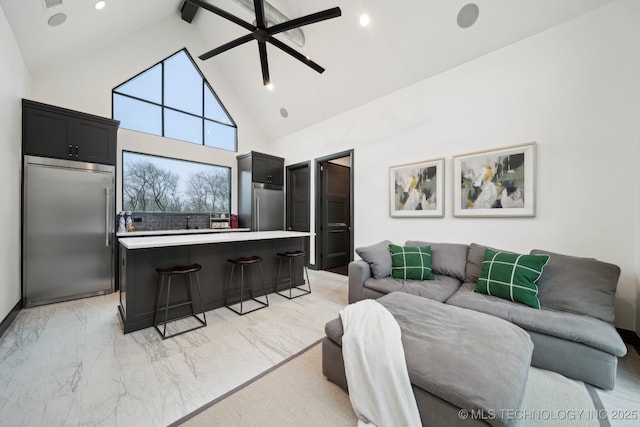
(162, 98)
(203, 112)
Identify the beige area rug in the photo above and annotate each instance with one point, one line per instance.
(296, 393)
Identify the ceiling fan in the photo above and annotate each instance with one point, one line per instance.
(263, 34)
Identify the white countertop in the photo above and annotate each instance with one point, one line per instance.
(182, 231)
(204, 238)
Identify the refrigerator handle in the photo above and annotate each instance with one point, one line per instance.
(257, 213)
(106, 217)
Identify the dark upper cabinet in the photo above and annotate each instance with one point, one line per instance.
(264, 168)
(50, 131)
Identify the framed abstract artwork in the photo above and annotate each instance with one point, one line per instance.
(495, 183)
(417, 189)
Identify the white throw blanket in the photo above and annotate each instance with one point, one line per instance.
(379, 386)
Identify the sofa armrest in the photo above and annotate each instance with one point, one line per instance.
(359, 271)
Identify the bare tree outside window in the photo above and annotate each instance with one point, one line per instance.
(160, 184)
(208, 191)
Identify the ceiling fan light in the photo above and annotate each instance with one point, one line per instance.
(100, 4)
(365, 20)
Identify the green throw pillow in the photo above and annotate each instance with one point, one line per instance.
(511, 276)
(411, 262)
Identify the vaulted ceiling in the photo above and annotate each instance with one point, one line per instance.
(407, 41)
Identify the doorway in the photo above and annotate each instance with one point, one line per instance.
(334, 212)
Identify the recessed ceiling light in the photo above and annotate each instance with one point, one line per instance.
(364, 20)
(57, 19)
(100, 4)
(468, 15)
(284, 113)
(269, 86)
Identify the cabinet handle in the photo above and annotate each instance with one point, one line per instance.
(76, 151)
(70, 148)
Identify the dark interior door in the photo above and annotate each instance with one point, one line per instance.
(299, 201)
(336, 209)
(298, 198)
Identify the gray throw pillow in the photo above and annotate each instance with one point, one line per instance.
(378, 257)
(448, 259)
(475, 258)
(579, 285)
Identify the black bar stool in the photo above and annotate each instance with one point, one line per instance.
(291, 256)
(242, 262)
(170, 272)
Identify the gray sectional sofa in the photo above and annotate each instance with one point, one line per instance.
(572, 332)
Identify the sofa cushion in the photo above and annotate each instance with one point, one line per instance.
(378, 257)
(511, 276)
(579, 285)
(439, 289)
(411, 262)
(573, 327)
(449, 259)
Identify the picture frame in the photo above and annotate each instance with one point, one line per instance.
(498, 182)
(417, 189)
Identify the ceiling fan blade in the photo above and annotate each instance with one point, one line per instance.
(262, 47)
(258, 5)
(305, 20)
(300, 57)
(222, 13)
(225, 47)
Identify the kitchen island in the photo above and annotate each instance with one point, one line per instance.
(140, 256)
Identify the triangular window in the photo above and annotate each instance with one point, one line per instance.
(174, 100)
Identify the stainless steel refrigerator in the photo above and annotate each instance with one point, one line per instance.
(268, 207)
(68, 223)
(260, 206)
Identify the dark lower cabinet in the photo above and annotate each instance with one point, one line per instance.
(139, 279)
(50, 131)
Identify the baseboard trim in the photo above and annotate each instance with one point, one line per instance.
(630, 337)
(8, 320)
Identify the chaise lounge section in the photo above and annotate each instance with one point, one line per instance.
(449, 364)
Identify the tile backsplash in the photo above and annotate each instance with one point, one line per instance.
(146, 221)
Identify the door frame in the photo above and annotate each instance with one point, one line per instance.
(289, 168)
(287, 223)
(318, 204)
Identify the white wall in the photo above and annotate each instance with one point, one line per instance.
(573, 89)
(14, 81)
(85, 82)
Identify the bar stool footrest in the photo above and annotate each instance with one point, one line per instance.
(242, 312)
(202, 324)
(290, 296)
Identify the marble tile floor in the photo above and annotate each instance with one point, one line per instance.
(69, 364)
